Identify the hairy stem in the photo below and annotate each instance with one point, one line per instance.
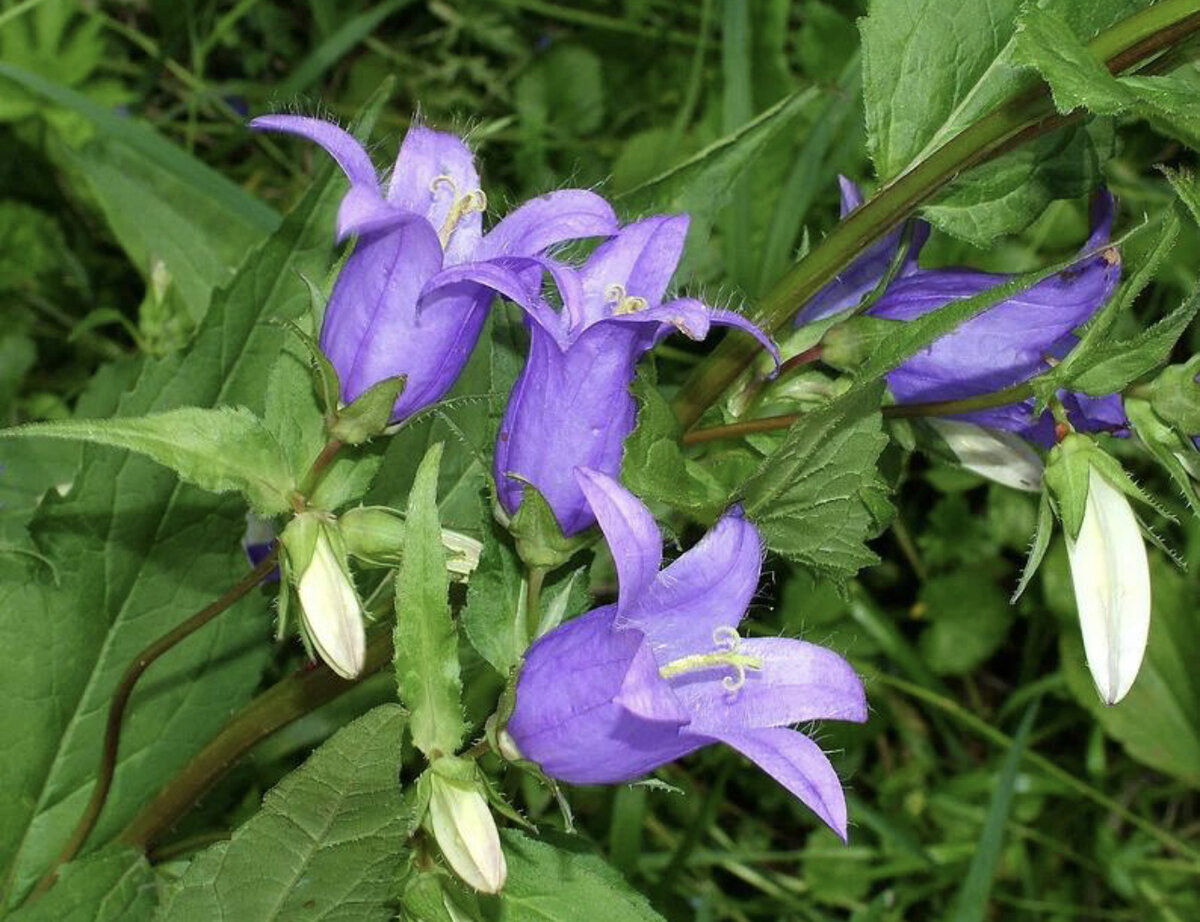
(292, 698)
(116, 711)
(1002, 398)
(1025, 116)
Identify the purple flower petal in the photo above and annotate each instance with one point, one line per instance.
(640, 259)
(706, 588)
(569, 408)
(859, 278)
(543, 222)
(798, 682)
(630, 531)
(797, 763)
(568, 720)
(371, 330)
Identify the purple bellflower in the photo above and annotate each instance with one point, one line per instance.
(1010, 342)
(862, 275)
(395, 310)
(625, 688)
(571, 406)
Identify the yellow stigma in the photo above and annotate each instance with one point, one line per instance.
(727, 641)
(475, 200)
(623, 303)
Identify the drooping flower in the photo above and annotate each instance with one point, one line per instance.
(1010, 342)
(859, 278)
(571, 406)
(393, 311)
(1111, 576)
(615, 693)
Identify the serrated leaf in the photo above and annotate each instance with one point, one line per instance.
(1037, 548)
(113, 885)
(558, 879)
(221, 450)
(1167, 446)
(327, 844)
(138, 551)
(819, 497)
(930, 69)
(426, 641)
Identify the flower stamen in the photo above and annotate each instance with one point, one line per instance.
(727, 642)
(475, 200)
(623, 303)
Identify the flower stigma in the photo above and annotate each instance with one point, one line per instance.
(727, 642)
(475, 200)
(623, 303)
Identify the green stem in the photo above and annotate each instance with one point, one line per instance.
(1014, 394)
(1026, 115)
(116, 712)
(293, 697)
(533, 599)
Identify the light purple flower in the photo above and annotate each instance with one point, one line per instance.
(859, 278)
(615, 693)
(1010, 342)
(394, 310)
(571, 406)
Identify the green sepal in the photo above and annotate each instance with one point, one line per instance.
(324, 376)
(1175, 396)
(370, 414)
(1068, 469)
(1037, 549)
(1169, 448)
(539, 538)
(299, 541)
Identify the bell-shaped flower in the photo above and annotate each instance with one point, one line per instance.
(571, 406)
(1010, 342)
(861, 277)
(611, 695)
(393, 311)
(466, 833)
(331, 614)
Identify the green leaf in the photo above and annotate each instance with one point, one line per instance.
(973, 900)
(1079, 80)
(930, 70)
(426, 642)
(818, 498)
(1037, 549)
(558, 879)
(113, 885)
(1116, 365)
(968, 617)
(220, 450)
(138, 551)
(327, 844)
(655, 467)
(1158, 722)
(1175, 395)
(1169, 448)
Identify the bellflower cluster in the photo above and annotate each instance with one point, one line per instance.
(1004, 345)
(395, 309)
(611, 695)
(571, 406)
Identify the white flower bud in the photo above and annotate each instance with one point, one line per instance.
(466, 833)
(462, 552)
(992, 453)
(1112, 588)
(331, 611)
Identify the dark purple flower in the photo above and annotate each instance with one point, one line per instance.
(860, 277)
(1010, 342)
(571, 406)
(394, 309)
(613, 694)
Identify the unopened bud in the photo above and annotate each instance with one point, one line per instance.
(1175, 396)
(1000, 456)
(330, 611)
(466, 832)
(376, 534)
